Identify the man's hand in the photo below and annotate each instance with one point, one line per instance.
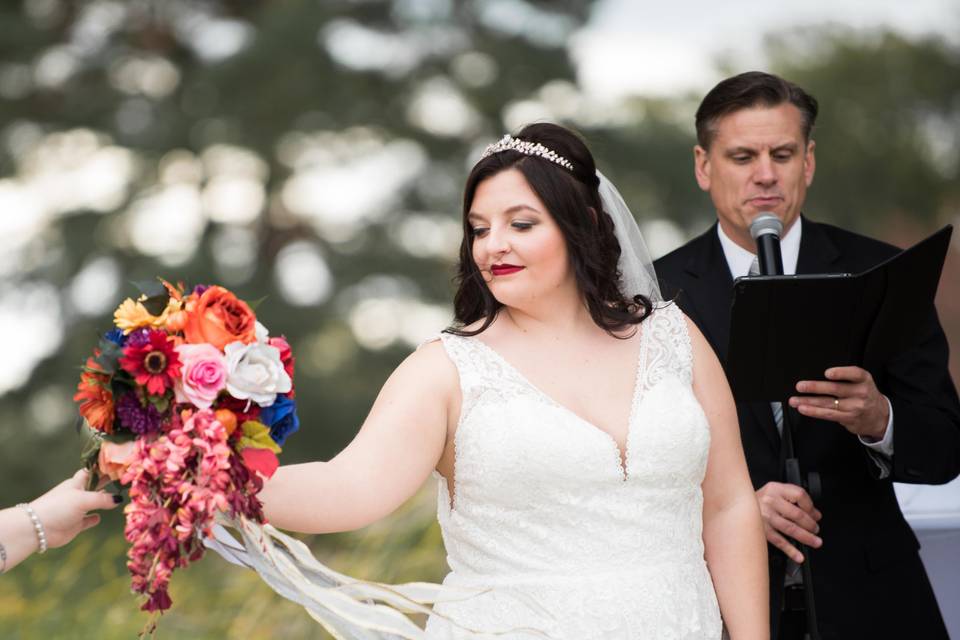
(788, 510)
(849, 397)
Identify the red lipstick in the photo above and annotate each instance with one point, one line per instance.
(504, 269)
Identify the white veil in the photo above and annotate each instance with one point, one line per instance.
(636, 264)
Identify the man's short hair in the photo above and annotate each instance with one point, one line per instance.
(747, 90)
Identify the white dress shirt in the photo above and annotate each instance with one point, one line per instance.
(739, 261)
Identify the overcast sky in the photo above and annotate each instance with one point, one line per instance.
(633, 46)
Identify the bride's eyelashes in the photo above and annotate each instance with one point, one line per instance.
(479, 232)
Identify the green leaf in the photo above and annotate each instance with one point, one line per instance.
(156, 304)
(257, 435)
(150, 288)
(161, 403)
(110, 354)
(90, 440)
(256, 303)
(155, 295)
(119, 437)
(94, 478)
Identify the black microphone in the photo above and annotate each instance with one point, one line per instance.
(766, 230)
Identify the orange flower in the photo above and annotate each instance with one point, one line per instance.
(172, 317)
(219, 317)
(228, 419)
(176, 292)
(177, 320)
(95, 397)
(114, 458)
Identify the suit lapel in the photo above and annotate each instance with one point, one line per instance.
(818, 253)
(711, 291)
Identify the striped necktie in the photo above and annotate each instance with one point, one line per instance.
(775, 406)
(792, 575)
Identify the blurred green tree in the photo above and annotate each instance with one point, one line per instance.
(314, 152)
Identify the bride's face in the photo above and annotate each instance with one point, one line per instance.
(517, 245)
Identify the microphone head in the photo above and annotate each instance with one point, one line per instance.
(766, 223)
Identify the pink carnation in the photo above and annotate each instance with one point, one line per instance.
(204, 374)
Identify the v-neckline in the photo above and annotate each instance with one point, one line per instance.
(622, 454)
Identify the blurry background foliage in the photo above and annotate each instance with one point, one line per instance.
(314, 152)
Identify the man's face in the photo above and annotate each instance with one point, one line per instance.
(757, 163)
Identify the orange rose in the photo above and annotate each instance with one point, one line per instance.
(219, 318)
(114, 458)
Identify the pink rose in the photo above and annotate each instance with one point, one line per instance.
(203, 376)
(114, 458)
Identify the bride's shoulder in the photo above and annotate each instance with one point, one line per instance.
(429, 357)
(670, 311)
(426, 372)
(669, 315)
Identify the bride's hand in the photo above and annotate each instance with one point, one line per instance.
(788, 511)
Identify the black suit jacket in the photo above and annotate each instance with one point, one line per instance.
(868, 579)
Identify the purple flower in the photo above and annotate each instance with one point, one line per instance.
(138, 338)
(136, 417)
(200, 288)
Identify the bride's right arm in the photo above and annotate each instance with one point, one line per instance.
(391, 456)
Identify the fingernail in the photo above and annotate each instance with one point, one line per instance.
(816, 529)
(818, 543)
(117, 498)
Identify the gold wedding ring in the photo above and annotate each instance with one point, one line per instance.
(836, 404)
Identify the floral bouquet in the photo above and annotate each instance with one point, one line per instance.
(187, 402)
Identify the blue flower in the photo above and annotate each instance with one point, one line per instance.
(281, 417)
(115, 336)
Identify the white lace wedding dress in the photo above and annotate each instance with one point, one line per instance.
(562, 537)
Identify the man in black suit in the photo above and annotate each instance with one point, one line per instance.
(859, 431)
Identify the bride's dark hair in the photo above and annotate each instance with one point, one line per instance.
(572, 199)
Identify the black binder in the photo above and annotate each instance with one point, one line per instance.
(784, 329)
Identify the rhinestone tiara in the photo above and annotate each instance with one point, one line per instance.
(509, 143)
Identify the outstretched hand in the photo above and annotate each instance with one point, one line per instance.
(63, 509)
(849, 397)
(788, 511)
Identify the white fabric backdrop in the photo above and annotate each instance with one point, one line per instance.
(934, 514)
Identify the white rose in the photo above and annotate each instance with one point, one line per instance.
(255, 372)
(262, 334)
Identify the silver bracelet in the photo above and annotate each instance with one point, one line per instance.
(37, 526)
(3, 559)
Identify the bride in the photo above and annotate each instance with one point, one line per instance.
(592, 481)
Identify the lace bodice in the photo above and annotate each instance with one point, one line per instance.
(562, 534)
